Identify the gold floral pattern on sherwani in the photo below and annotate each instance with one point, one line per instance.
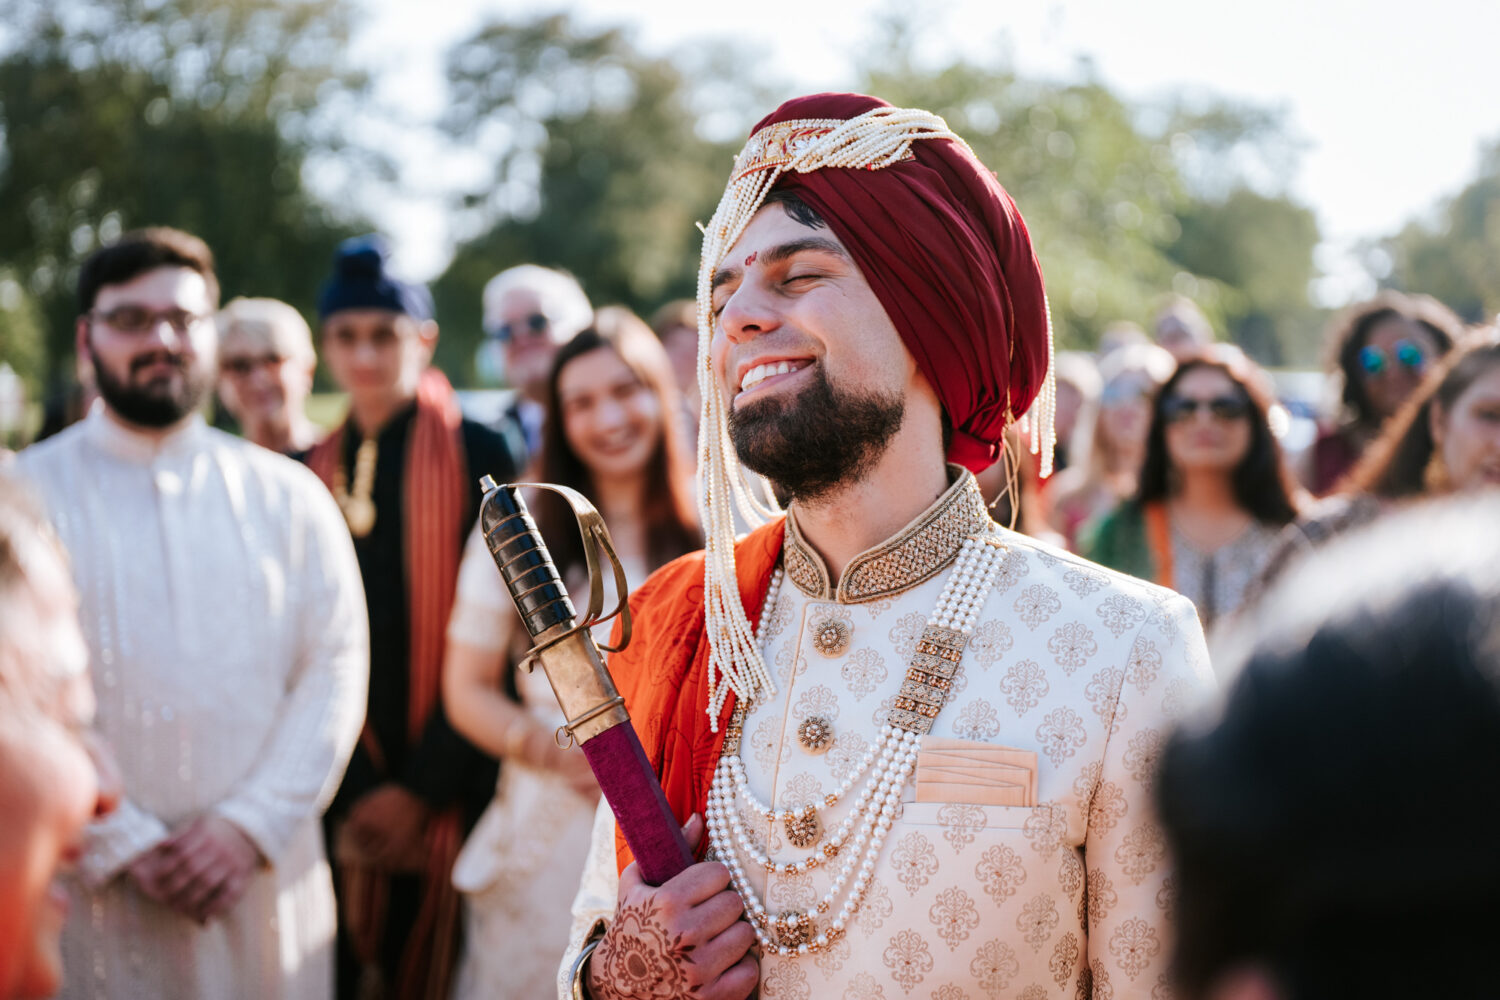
(1089, 690)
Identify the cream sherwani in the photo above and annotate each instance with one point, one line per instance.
(1083, 668)
(223, 608)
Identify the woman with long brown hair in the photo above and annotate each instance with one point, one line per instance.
(1214, 492)
(612, 432)
(1445, 440)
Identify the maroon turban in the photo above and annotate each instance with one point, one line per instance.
(947, 253)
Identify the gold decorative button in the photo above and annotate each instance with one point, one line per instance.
(815, 734)
(831, 636)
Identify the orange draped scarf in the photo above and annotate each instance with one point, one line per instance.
(434, 505)
(663, 673)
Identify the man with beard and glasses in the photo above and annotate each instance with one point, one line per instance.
(915, 746)
(222, 607)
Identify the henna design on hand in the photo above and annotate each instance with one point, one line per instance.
(641, 959)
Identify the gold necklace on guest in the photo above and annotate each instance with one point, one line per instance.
(358, 507)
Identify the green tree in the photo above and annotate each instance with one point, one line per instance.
(194, 113)
(601, 166)
(1456, 255)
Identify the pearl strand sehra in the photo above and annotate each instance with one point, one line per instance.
(859, 837)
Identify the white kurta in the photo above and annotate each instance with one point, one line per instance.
(1064, 898)
(223, 609)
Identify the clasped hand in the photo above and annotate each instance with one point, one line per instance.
(201, 870)
(686, 938)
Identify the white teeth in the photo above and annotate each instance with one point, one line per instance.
(760, 373)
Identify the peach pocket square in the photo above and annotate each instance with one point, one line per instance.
(951, 770)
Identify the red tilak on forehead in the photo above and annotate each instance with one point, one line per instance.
(751, 259)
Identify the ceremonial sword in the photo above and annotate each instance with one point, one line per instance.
(565, 648)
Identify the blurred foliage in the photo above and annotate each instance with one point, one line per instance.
(1456, 255)
(199, 114)
(600, 168)
(1122, 215)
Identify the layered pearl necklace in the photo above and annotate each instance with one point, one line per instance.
(858, 839)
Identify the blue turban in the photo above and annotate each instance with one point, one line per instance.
(360, 281)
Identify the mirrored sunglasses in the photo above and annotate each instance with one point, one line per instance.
(1407, 354)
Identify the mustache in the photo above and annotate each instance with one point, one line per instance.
(155, 357)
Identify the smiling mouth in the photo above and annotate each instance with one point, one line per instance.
(760, 373)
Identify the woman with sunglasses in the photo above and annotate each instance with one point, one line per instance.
(1214, 492)
(611, 432)
(1109, 443)
(1381, 349)
(1446, 440)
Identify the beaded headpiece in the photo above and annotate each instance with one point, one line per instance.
(872, 140)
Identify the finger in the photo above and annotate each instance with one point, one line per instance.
(738, 982)
(197, 893)
(697, 883)
(725, 951)
(692, 832)
(716, 914)
(189, 870)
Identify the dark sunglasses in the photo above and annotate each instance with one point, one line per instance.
(536, 324)
(1175, 409)
(1374, 361)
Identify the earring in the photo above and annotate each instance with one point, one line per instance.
(1435, 477)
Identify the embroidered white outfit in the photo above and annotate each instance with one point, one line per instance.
(992, 881)
(223, 609)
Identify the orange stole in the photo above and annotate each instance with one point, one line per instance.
(434, 500)
(663, 673)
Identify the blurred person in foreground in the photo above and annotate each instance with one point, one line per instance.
(531, 311)
(611, 434)
(1109, 474)
(1300, 815)
(404, 468)
(1214, 492)
(1182, 329)
(223, 613)
(266, 364)
(676, 326)
(53, 779)
(1379, 351)
(1445, 440)
(915, 740)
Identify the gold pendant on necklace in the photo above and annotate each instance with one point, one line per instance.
(803, 827)
(359, 512)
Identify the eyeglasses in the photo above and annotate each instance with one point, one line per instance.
(1176, 409)
(139, 319)
(242, 367)
(1375, 361)
(536, 324)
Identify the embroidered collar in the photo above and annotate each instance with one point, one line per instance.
(914, 554)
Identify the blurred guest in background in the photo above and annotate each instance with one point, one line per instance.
(1214, 492)
(610, 434)
(50, 783)
(1181, 328)
(1380, 350)
(404, 469)
(676, 326)
(530, 312)
(1445, 440)
(1078, 389)
(1092, 487)
(1120, 333)
(1301, 818)
(222, 605)
(266, 364)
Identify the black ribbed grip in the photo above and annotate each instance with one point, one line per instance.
(523, 559)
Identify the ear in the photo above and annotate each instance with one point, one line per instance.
(427, 335)
(81, 336)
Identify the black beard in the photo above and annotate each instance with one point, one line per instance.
(819, 441)
(151, 406)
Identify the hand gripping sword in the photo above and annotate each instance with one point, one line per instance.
(566, 650)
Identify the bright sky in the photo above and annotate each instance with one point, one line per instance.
(1392, 99)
